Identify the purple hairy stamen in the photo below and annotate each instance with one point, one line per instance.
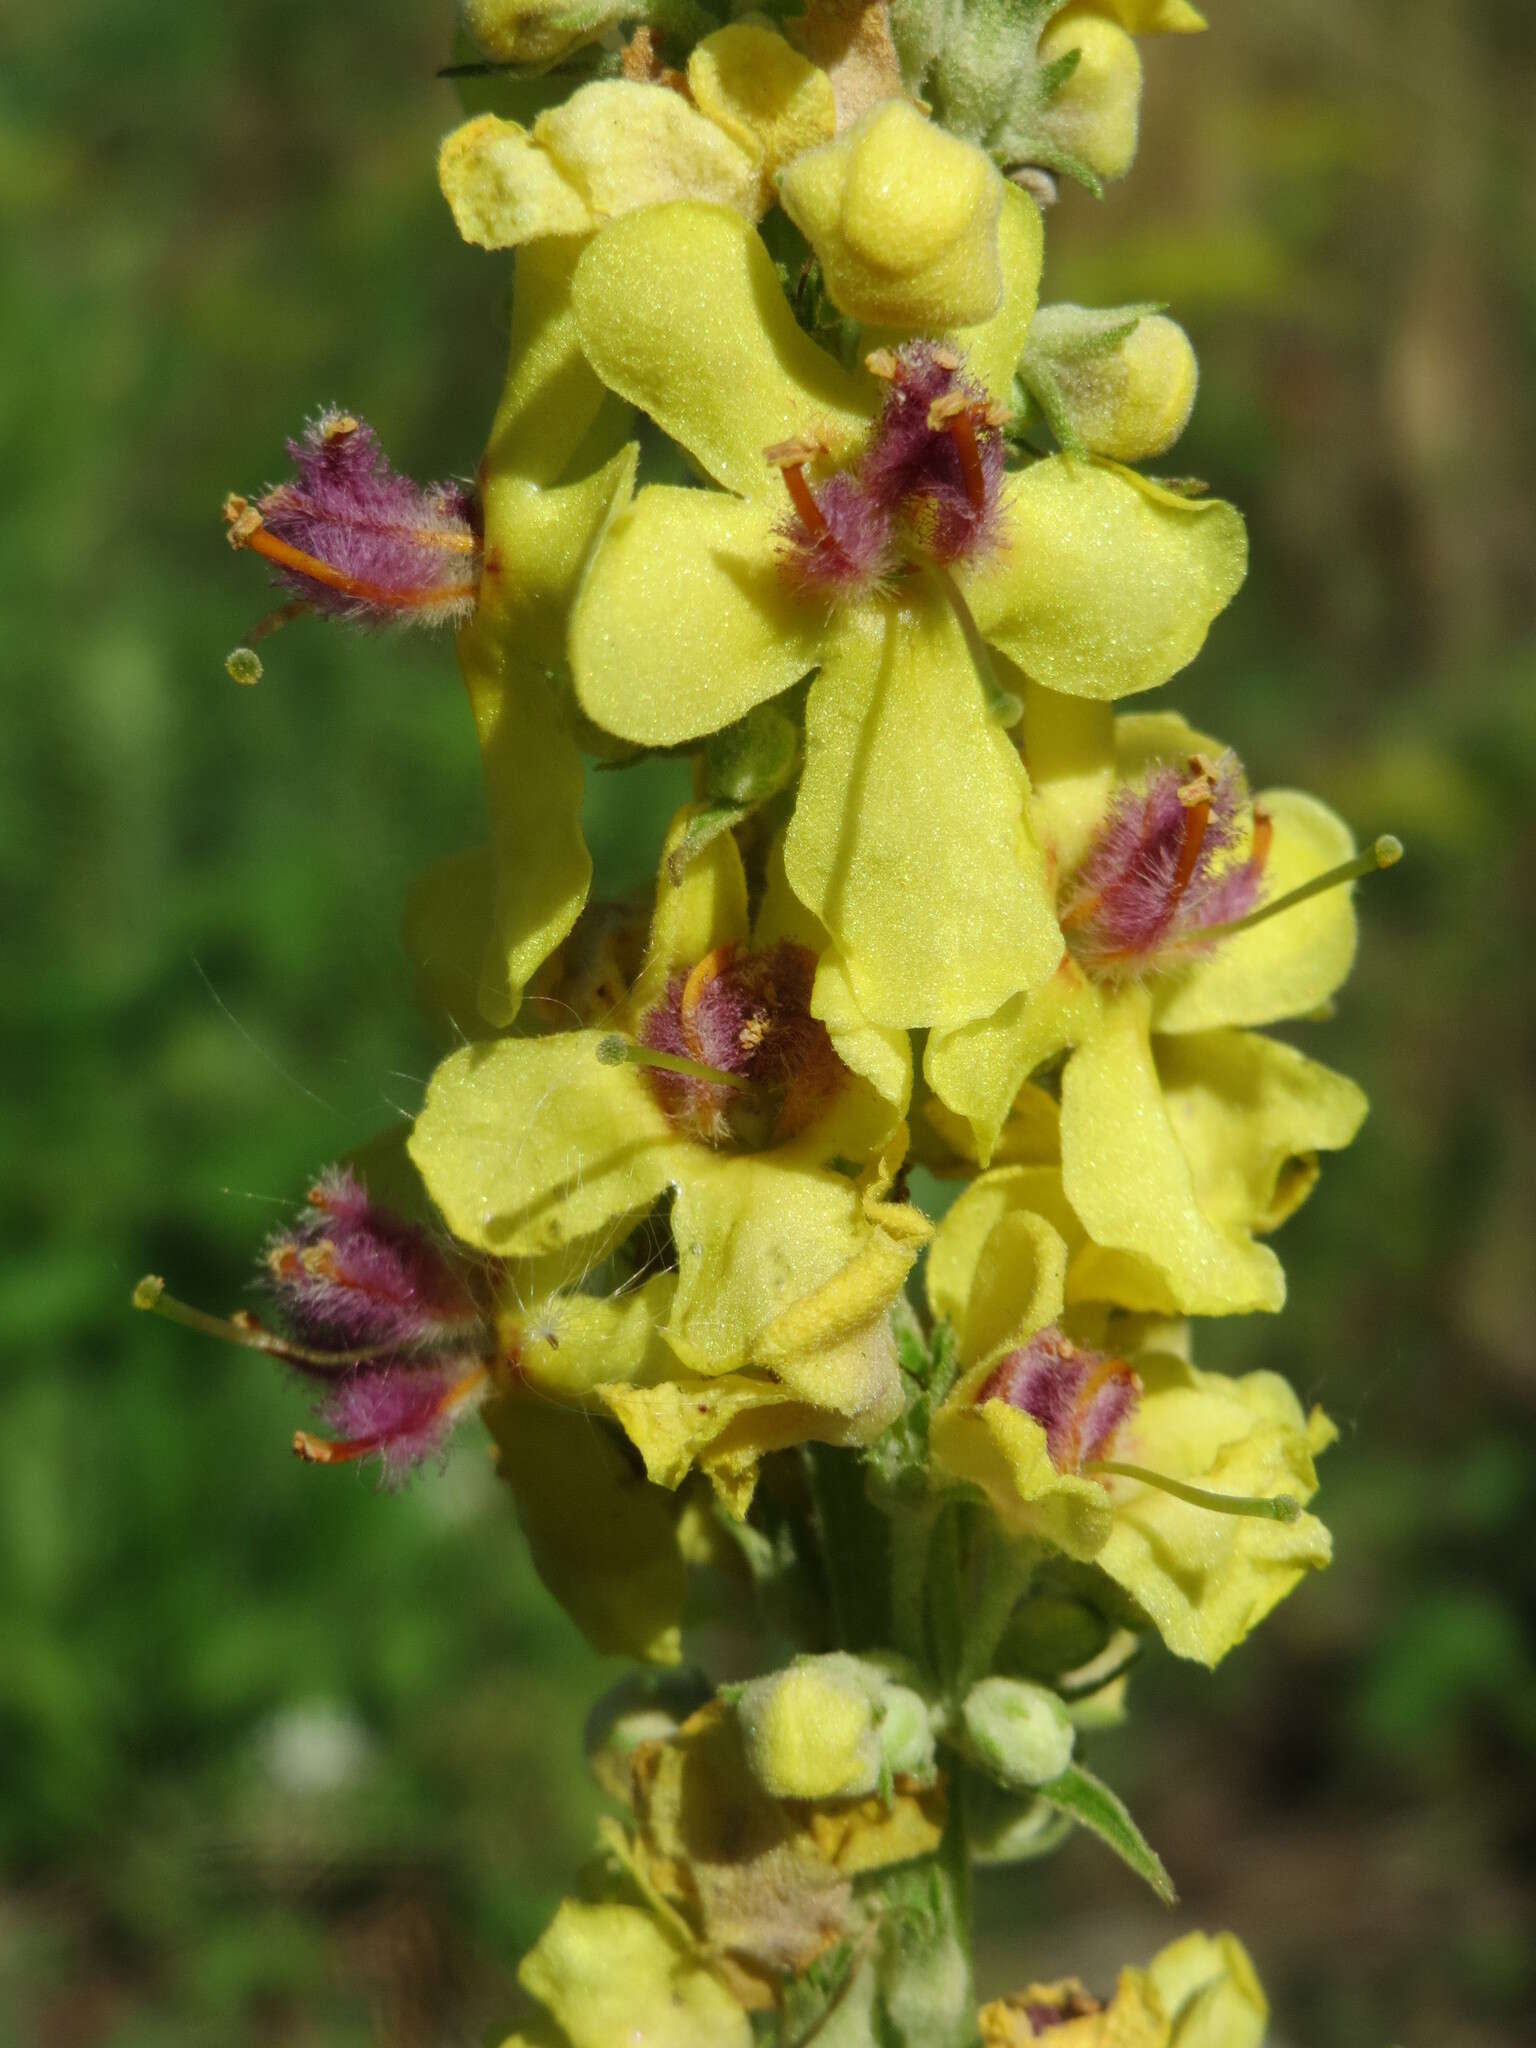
(1162, 871)
(353, 1275)
(351, 538)
(1080, 1398)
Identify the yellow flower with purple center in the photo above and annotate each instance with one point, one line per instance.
(1090, 1432)
(868, 529)
(736, 1081)
(1191, 912)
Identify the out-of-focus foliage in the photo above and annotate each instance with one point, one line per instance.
(285, 1760)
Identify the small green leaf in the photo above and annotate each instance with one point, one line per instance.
(1093, 1805)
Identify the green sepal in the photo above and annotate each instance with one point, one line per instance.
(1091, 1803)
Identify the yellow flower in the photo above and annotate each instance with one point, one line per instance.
(1064, 1421)
(750, 1089)
(1199, 1992)
(619, 144)
(615, 1972)
(1183, 1134)
(910, 840)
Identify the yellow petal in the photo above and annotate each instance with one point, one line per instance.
(1250, 1114)
(610, 1973)
(571, 1345)
(503, 189)
(1002, 1451)
(759, 1239)
(685, 620)
(978, 1069)
(877, 1053)
(527, 1144)
(533, 785)
(990, 1300)
(1108, 583)
(1147, 17)
(1207, 1986)
(624, 145)
(1294, 962)
(537, 543)
(704, 907)
(1127, 1176)
(904, 219)
(993, 348)
(681, 312)
(1069, 751)
(909, 839)
(771, 101)
(552, 394)
(603, 1540)
(1206, 1579)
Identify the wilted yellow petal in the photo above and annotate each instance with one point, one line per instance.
(685, 620)
(771, 101)
(1108, 583)
(910, 840)
(527, 1144)
(609, 1973)
(603, 1540)
(1249, 1112)
(1291, 963)
(624, 145)
(503, 189)
(682, 313)
(904, 219)
(1127, 1176)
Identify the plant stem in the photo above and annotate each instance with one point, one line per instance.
(855, 1548)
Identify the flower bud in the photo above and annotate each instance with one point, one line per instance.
(1122, 384)
(535, 32)
(1051, 1634)
(810, 1731)
(1019, 1732)
(904, 219)
(1095, 115)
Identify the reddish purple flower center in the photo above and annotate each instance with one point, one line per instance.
(1078, 1397)
(1161, 871)
(926, 487)
(747, 1014)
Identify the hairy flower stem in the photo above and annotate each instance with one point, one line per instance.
(855, 1549)
(911, 1533)
(1004, 1570)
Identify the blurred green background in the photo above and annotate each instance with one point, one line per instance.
(286, 1760)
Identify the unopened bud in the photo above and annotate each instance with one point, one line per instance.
(810, 1731)
(1096, 112)
(1019, 1732)
(645, 1707)
(1051, 1634)
(1119, 383)
(535, 31)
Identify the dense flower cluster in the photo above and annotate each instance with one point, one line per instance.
(792, 476)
